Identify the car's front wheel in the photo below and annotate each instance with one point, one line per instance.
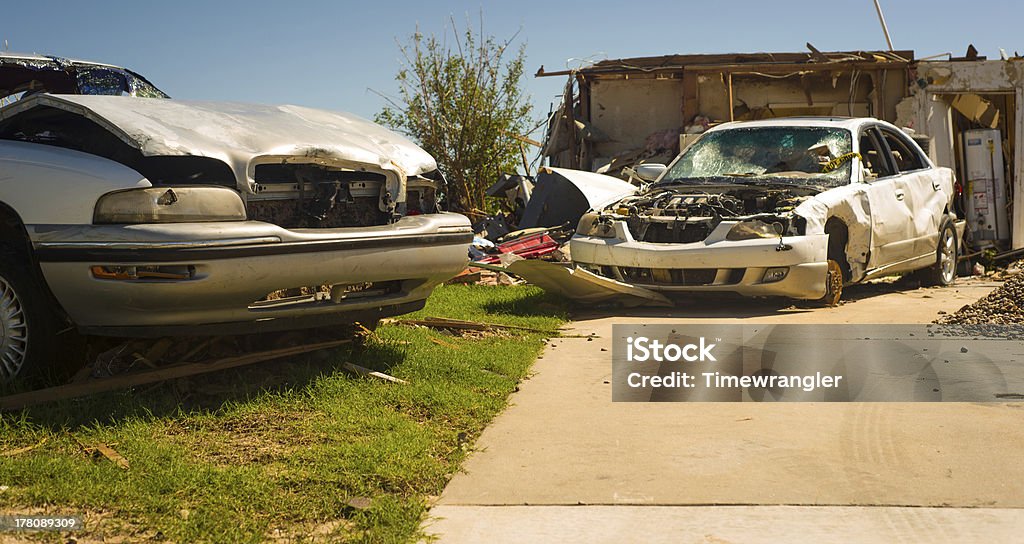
(28, 322)
(943, 272)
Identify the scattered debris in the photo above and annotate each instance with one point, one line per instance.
(105, 450)
(26, 449)
(458, 324)
(1003, 306)
(132, 379)
(530, 246)
(363, 371)
(112, 455)
(442, 343)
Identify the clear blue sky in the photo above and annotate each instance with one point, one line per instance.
(329, 54)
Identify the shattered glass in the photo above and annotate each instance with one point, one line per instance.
(102, 82)
(797, 155)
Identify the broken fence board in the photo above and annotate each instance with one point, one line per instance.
(81, 389)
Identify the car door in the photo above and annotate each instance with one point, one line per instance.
(892, 231)
(924, 194)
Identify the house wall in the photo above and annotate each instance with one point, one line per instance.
(626, 111)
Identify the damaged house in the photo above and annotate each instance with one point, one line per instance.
(964, 112)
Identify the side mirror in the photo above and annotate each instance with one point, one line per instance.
(649, 172)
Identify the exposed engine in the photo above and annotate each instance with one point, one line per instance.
(674, 215)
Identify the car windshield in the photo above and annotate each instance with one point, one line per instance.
(813, 156)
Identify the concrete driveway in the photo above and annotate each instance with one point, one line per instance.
(565, 464)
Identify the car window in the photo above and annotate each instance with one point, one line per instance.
(873, 156)
(904, 156)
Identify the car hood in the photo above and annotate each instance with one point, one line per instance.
(241, 134)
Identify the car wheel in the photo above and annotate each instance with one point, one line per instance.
(28, 321)
(943, 272)
(833, 284)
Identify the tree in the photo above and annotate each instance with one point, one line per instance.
(463, 104)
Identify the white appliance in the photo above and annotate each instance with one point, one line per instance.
(987, 219)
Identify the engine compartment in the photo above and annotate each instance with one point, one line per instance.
(688, 214)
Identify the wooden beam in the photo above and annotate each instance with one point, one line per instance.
(81, 389)
(732, 113)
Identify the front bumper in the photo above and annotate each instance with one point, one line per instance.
(236, 264)
(715, 264)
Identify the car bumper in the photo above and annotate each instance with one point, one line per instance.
(361, 273)
(715, 265)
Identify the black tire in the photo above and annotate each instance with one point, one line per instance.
(29, 320)
(943, 272)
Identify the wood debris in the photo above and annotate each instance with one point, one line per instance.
(105, 450)
(458, 324)
(442, 343)
(363, 371)
(26, 449)
(112, 455)
(132, 379)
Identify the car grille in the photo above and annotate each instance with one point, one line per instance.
(678, 232)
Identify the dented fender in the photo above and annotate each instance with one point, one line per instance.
(850, 205)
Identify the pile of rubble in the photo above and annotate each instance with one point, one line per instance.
(1003, 306)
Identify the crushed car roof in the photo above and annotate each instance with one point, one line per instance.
(848, 123)
(237, 133)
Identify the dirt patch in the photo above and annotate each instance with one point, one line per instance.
(257, 438)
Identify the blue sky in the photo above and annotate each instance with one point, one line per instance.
(329, 54)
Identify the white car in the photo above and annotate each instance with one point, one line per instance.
(794, 207)
(126, 213)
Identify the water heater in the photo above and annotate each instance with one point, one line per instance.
(987, 219)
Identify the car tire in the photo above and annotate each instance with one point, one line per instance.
(29, 322)
(943, 272)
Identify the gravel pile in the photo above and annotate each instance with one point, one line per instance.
(1004, 306)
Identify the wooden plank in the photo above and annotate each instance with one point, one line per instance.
(363, 371)
(81, 389)
(444, 323)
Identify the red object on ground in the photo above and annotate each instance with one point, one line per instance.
(527, 247)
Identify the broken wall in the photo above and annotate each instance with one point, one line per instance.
(623, 112)
(929, 111)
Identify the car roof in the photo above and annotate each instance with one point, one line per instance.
(848, 123)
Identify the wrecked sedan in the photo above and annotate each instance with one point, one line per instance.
(792, 207)
(138, 215)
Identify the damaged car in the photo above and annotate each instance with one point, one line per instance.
(126, 213)
(793, 207)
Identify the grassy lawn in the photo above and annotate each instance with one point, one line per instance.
(295, 450)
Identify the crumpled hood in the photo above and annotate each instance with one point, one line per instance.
(238, 133)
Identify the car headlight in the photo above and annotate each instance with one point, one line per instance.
(592, 225)
(169, 205)
(754, 229)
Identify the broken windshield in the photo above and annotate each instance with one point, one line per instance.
(796, 155)
(20, 77)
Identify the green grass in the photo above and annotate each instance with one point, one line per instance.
(295, 449)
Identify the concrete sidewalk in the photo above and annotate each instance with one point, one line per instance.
(565, 464)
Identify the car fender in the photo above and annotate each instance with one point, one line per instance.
(56, 186)
(850, 205)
